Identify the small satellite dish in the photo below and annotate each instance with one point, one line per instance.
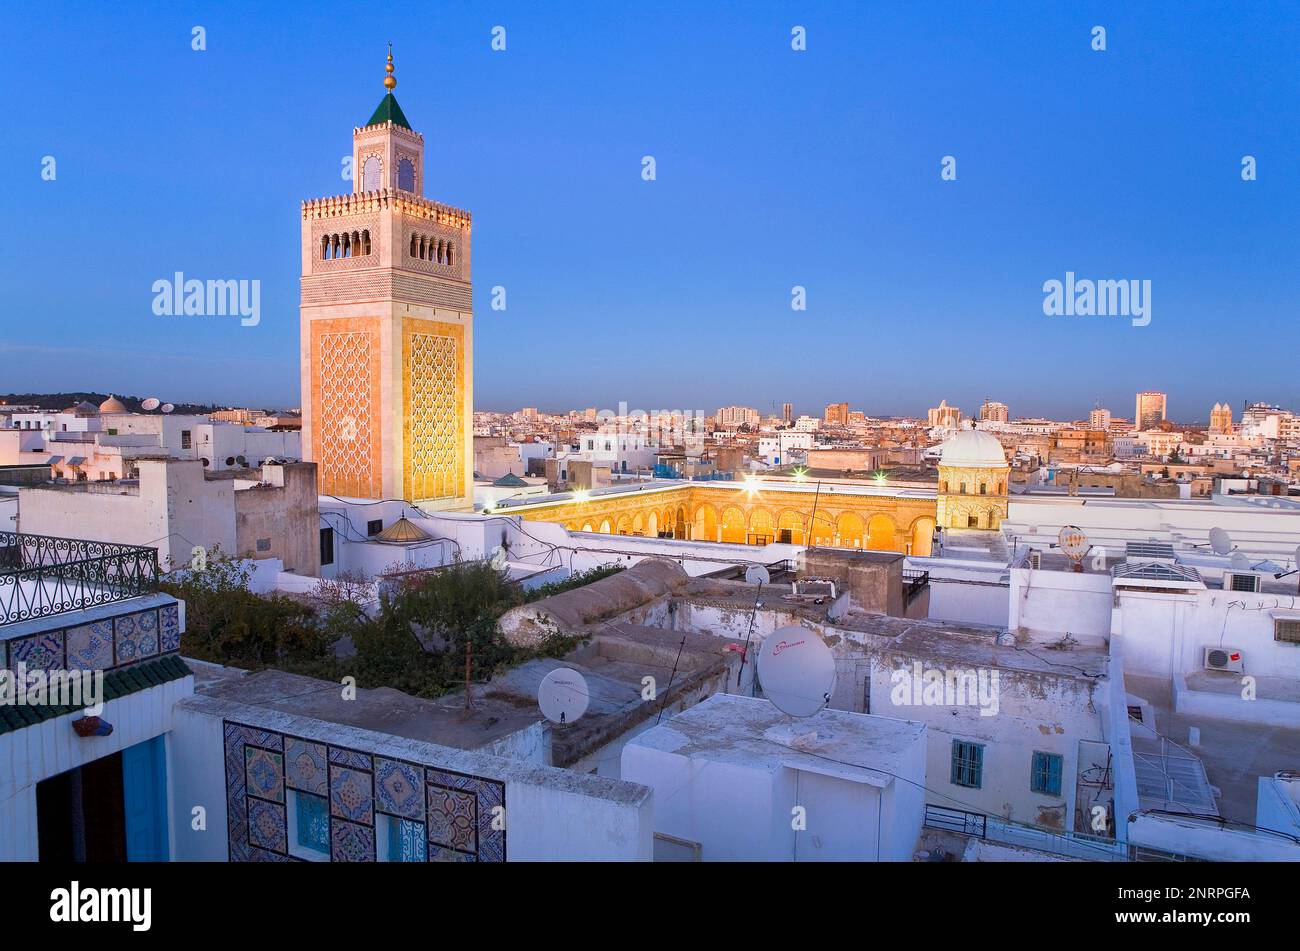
(563, 695)
(151, 404)
(797, 671)
(1220, 541)
(1073, 541)
(269, 461)
(757, 574)
(839, 608)
(242, 461)
(167, 408)
(499, 558)
(1240, 562)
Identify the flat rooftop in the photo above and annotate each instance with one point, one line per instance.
(751, 733)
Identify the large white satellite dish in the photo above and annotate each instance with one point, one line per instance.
(1239, 561)
(1220, 541)
(797, 671)
(151, 404)
(1073, 541)
(757, 574)
(168, 408)
(563, 695)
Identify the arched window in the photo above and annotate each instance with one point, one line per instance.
(421, 247)
(356, 243)
(406, 175)
(449, 253)
(365, 241)
(347, 245)
(370, 176)
(963, 488)
(984, 488)
(334, 245)
(413, 245)
(324, 247)
(441, 250)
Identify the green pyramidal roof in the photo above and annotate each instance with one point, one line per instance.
(389, 111)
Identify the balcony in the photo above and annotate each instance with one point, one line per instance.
(41, 575)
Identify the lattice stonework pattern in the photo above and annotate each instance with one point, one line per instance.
(434, 428)
(370, 798)
(345, 424)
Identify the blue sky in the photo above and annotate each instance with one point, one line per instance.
(775, 168)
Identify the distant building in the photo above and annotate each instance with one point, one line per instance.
(1150, 410)
(1221, 418)
(836, 414)
(945, 415)
(1099, 418)
(787, 413)
(993, 412)
(731, 417)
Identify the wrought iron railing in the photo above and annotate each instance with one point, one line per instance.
(914, 582)
(41, 575)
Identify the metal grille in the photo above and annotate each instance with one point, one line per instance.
(41, 575)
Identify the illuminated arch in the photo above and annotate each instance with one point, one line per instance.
(586, 527)
(850, 530)
(922, 534)
(822, 531)
(623, 525)
(652, 525)
(762, 528)
(604, 527)
(880, 533)
(679, 524)
(792, 522)
(706, 523)
(733, 525)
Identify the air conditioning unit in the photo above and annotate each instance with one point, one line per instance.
(1243, 581)
(1035, 559)
(1223, 658)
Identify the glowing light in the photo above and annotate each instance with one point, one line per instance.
(880, 478)
(581, 496)
(800, 474)
(751, 486)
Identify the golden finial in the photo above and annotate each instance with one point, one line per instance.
(389, 82)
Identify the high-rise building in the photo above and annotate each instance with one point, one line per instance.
(387, 327)
(787, 413)
(730, 416)
(945, 415)
(1099, 419)
(1221, 418)
(1150, 411)
(837, 414)
(530, 413)
(994, 412)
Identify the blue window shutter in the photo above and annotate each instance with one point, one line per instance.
(313, 825)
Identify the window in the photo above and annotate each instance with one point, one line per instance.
(371, 169)
(374, 526)
(404, 840)
(967, 764)
(185, 439)
(1045, 774)
(405, 175)
(1287, 630)
(327, 546)
(309, 823)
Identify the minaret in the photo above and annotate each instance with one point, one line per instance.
(387, 327)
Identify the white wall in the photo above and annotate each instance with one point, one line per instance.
(47, 749)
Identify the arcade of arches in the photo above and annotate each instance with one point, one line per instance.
(711, 513)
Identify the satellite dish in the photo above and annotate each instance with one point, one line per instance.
(242, 461)
(1240, 562)
(797, 671)
(757, 574)
(839, 608)
(499, 558)
(167, 408)
(563, 695)
(1074, 542)
(151, 404)
(269, 461)
(1220, 541)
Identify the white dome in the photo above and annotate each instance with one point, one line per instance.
(973, 449)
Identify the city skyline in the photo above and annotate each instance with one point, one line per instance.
(915, 287)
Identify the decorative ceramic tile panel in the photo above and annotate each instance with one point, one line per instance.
(169, 628)
(304, 765)
(398, 788)
(136, 636)
(350, 842)
(453, 819)
(351, 795)
(351, 758)
(90, 646)
(264, 773)
(260, 764)
(266, 825)
(39, 652)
